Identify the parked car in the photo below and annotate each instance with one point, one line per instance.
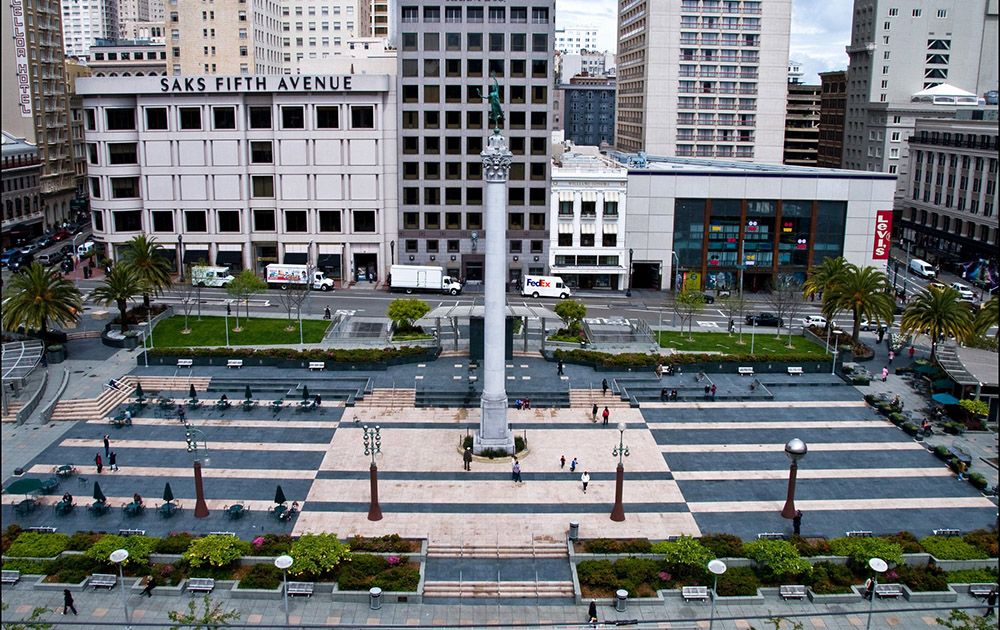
(8, 255)
(765, 319)
(814, 320)
(964, 292)
(43, 241)
(51, 258)
(21, 261)
(872, 325)
(30, 248)
(709, 298)
(61, 235)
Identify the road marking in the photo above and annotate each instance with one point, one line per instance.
(709, 324)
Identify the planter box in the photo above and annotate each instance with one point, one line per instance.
(164, 558)
(58, 586)
(388, 597)
(930, 596)
(161, 590)
(916, 559)
(833, 598)
(753, 600)
(253, 593)
(55, 356)
(958, 565)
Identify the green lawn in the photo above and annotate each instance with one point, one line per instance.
(722, 342)
(211, 331)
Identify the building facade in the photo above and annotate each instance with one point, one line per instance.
(226, 37)
(832, 104)
(380, 18)
(86, 21)
(21, 193)
(586, 211)
(589, 113)
(447, 53)
(802, 125)
(899, 48)
(128, 58)
(703, 78)
(141, 19)
(949, 213)
(76, 70)
(575, 39)
(247, 171)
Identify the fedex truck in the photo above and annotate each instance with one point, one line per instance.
(545, 286)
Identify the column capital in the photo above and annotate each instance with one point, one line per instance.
(496, 159)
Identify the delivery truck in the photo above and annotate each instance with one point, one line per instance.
(410, 278)
(284, 276)
(545, 286)
(205, 276)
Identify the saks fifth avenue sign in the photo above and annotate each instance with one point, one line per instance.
(260, 83)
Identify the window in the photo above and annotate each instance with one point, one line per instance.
(122, 153)
(263, 220)
(474, 42)
(262, 186)
(195, 221)
(163, 220)
(431, 246)
(224, 118)
(432, 42)
(260, 117)
(364, 220)
(261, 152)
(410, 245)
(95, 187)
(893, 12)
(229, 220)
(329, 221)
(496, 42)
(190, 117)
(362, 117)
(156, 118)
(128, 220)
(539, 42)
(120, 118)
(917, 12)
(536, 247)
(587, 240)
(453, 246)
(609, 240)
(432, 220)
(124, 187)
(515, 221)
(296, 221)
(942, 13)
(292, 117)
(565, 240)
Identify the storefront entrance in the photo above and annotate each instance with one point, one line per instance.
(365, 267)
(646, 275)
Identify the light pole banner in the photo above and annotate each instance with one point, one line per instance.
(21, 58)
(883, 235)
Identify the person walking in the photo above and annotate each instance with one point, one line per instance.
(869, 588)
(797, 522)
(68, 601)
(713, 391)
(467, 458)
(885, 372)
(562, 462)
(961, 471)
(181, 415)
(107, 445)
(604, 387)
(708, 391)
(113, 461)
(592, 612)
(572, 465)
(912, 351)
(150, 585)
(559, 368)
(593, 413)
(606, 414)
(892, 355)
(991, 602)
(99, 463)
(516, 471)
(585, 479)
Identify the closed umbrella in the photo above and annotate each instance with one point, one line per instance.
(279, 496)
(138, 391)
(168, 494)
(248, 394)
(192, 394)
(24, 486)
(305, 392)
(98, 494)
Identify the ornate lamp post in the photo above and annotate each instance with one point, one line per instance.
(717, 567)
(628, 284)
(878, 565)
(618, 512)
(835, 350)
(795, 449)
(180, 257)
(373, 444)
(192, 436)
(283, 562)
(119, 556)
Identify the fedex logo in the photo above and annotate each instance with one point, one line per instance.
(538, 283)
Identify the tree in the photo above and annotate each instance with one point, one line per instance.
(571, 313)
(188, 301)
(988, 317)
(936, 311)
(822, 279)
(785, 300)
(292, 298)
(733, 306)
(211, 617)
(404, 312)
(687, 304)
(31, 623)
(37, 296)
(119, 286)
(962, 620)
(243, 287)
(145, 255)
(864, 291)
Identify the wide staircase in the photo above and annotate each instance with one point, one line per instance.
(587, 398)
(123, 390)
(470, 397)
(464, 567)
(386, 397)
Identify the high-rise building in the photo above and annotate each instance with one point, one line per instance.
(703, 77)
(313, 30)
(77, 70)
(140, 19)
(448, 53)
(86, 21)
(900, 48)
(225, 37)
(574, 39)
(34, 101)
(802, 124)
(379, 18)
(832, 104)
(589, 112)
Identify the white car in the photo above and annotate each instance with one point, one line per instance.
(964, 292)
(814, 320)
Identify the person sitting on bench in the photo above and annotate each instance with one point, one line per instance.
(67, 498)
(137, 499)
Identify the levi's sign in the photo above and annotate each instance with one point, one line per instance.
(883, 235)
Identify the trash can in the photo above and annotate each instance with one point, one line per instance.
(621, 600)
(375, 598)
(574, 530)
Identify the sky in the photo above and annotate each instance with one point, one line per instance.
(820, 29)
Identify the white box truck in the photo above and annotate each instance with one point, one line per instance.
(545, 286)
(284, 276)
(204, 276)
(410, 278)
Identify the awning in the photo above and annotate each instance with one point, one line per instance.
(565, 228)
(610, 228)
(192, 256)
(588, 228)
(589, 195)
(229, 258)
(295, 258)
(328, 261)
(565, 195)
(944, 399)
(611, 196)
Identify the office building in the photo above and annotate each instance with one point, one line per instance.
(899, 49)
(247, 171)
(379, 18)
(589, 112)
(86, 21)
(77, 70)
(795, 72)
(21, 193)
(832, 105)
(595, 64)
(703, 78)
(447, 54)
(141, 19)
(226, 37)
(802, 124)
(128, 58)
(576, 39)
(949, 212)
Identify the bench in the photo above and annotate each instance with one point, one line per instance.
(317, 365)
(103, 580)
(795, 371)
(131, 532)
(771, 536)
(201, 585)
(859, 533)
(221, 533)
(888, 590)
(976, 590)
(185, 363)
(947, 533)
(745, 371)
(301, 588)
(10, 577)
(42, 529)
(690, 593)
(792, 591)
(234, 363)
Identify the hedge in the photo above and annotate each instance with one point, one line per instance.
(333, 355)
(639, 360)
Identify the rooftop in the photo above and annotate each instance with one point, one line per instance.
(12, 145)
(639, 162)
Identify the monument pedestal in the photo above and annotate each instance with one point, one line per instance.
(494, 432)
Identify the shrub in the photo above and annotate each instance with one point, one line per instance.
(951, 548)
(390, 543)
(924, 578)
(519, 443)
(907, 541)
(985, 540)
(265, 576)
(271, 545)
(738, 581)
(830, 578)
(972, 407)
(175, 542)
(26, 567)
(333, 355)
(954, 428)
(9, 536)
(618, 545)
(811, 546)
(318, 555)
(168, 574)
(81, 541)
(402, 578)
(493, 453)
(38, 545)
(779, 558)
(910, 428)
(596, 573)
(138, 548)
(216, 551)
(969, 576)
(70, 569)
(468, 442)
(685, 556)
(358, 574)
(723, 545)
(897, 418)
(860, 550)
(942, 453)
(978, 481)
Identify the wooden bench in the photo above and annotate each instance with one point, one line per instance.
(859, 533)
(103, 580)
(317, 365)
(690, 593)
(234, 363)
(301, 588)
(976, 590)
(131, 532)
(792, 591)
(10, 577)
(771, 536)
(947, 533)
(42, 529)
(888, 590)
(221, 533)
(795, 371)
(201, 585)
(185, 363)
(745, 371)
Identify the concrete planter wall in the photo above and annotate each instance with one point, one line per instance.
(833, 598)
(930, 596)
(388, 597)
(333, 366)
(254, 593)
(958, 565)
(161, 590)
(41, 585)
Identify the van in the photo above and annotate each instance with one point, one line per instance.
(85, 249)
(922, 268)
(206, 276)
(545, 286)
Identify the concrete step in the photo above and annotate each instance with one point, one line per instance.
(588, 397)
(538, 550)
(382, 397)
(497, 589)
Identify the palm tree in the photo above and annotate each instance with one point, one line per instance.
(937, 311)
(143, 254)
(864, 292)
(988, 317)
(822, 279)
(37, 296)
(120, 286)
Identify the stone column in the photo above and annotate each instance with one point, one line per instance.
(494, 430)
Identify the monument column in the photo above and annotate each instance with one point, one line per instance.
(494, 430)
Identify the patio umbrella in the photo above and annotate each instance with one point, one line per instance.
(168, 494)
(192, 394)
(24, 486)
(138, 391)
(248, 393)
(944, 399)
(98, 494)
(943, 383)
(279, 496)
(305, 392)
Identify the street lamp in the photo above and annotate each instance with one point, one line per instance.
(180, 257)
(878, 565)
(192, 435)
(795, 449)
(835, 350)
(628, 288)
(119, 556)
(373, 444)
(618, 512)
(283, 562)
(717, 567)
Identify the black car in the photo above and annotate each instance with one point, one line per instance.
(21, 262)
(709, 298)
(43, 241)
(765, 319)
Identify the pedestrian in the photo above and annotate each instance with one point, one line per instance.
(912, 351)
(892, 355)
(326, 313)
(150, 585)
(605, 414)
(797, 522)
(559, 367)
(68, 601)
(585, 479)
(128, 417)
(961, 471)
(107, 444)
(885, 372)
(319, 400)
(708, 390)
(869, 588)
(99, 462)
(113, 461)
(991, 602)
(516, 471)
(713, 391)
(229, 310)
(180, 413)
(593, 413)
(604, 387)
(592, 612)
(572, 465)
(562, 462)
(467, 457)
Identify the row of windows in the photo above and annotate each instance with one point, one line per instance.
(951, 225)
(224, 117)
(473, 196)
(496, 42)
(454, 246)
(232, 221)
(261, 187)
(11, 184)
(126, 55)
(496, 15)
